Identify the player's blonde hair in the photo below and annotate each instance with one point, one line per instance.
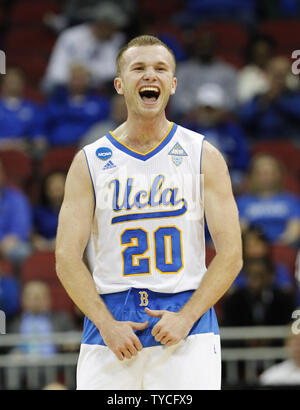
(144, 40)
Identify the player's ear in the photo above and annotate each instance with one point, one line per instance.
(174, 85)
(118, 84)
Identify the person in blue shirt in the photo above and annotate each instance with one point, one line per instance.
(10, 291)
(267, 205)
(275, 112)
(21, 124)
(45, 214)
(15, 222)
(72, 110)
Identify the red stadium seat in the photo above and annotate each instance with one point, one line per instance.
(17, 166)
(285, 32)
(286, 255)
(209, 255)
(21, 40)
(32, 11)
(6, 267)
(61, 301)
(39, 266)
(160, 10)
(285, 151)
(57, 159)
(227, 33)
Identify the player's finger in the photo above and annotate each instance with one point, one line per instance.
(137, 343)
(165, 340)
(126, 353)
(132, 349)
(119, 354)
(154, 313)
(156, 330)
(171, 342)
(138, 325)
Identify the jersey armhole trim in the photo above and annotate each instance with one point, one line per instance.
(201, 154)
(87, 162)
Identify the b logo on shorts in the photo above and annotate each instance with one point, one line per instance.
(144, 298)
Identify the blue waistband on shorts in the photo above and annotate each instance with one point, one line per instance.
(130, 305)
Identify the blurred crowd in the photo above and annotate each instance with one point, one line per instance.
(235, 86)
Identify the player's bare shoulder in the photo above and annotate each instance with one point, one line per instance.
(78, 178)
(213, 162)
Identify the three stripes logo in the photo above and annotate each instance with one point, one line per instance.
(109, 165)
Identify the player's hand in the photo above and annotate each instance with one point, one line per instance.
(120, 338)
(172, 326)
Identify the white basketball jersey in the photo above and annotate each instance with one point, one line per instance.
(148, 229)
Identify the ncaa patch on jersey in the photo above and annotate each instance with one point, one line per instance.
(103, 153)
(177, 153)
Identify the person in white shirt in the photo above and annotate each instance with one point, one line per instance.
(286, 373)
(95, 43)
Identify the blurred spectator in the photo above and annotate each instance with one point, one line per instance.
(256, 245)
(37, 319)
(203, 67)
(20, 119)
(252, 78)
(267, 205)
(275, 113)
(94, 44)
(211, 118)
(15, 222)
(72, 110)
(286, 373)
(73, 11)
(45, 214)
(9, 294)
(261, 303)
(118, 114)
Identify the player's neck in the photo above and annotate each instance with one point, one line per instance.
(143, 134)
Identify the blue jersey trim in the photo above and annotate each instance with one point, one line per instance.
(126, 306)
(149, 154)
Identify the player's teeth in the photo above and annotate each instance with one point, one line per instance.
(149, 89)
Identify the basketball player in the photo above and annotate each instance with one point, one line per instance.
(150, 321)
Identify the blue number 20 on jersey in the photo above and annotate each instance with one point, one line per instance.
(167, 250)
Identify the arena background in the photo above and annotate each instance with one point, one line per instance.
(238, 84)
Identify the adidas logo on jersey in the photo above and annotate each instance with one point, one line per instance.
(109, 165)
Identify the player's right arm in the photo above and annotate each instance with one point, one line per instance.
(74, 228)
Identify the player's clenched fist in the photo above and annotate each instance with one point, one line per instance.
(120, 338)
(171, 328)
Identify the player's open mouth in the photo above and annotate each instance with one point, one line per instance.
(149, 94)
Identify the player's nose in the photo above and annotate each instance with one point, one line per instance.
(149, 74)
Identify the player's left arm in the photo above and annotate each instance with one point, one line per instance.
(223, 223)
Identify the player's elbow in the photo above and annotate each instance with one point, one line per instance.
(236, 261)
(61, 262)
